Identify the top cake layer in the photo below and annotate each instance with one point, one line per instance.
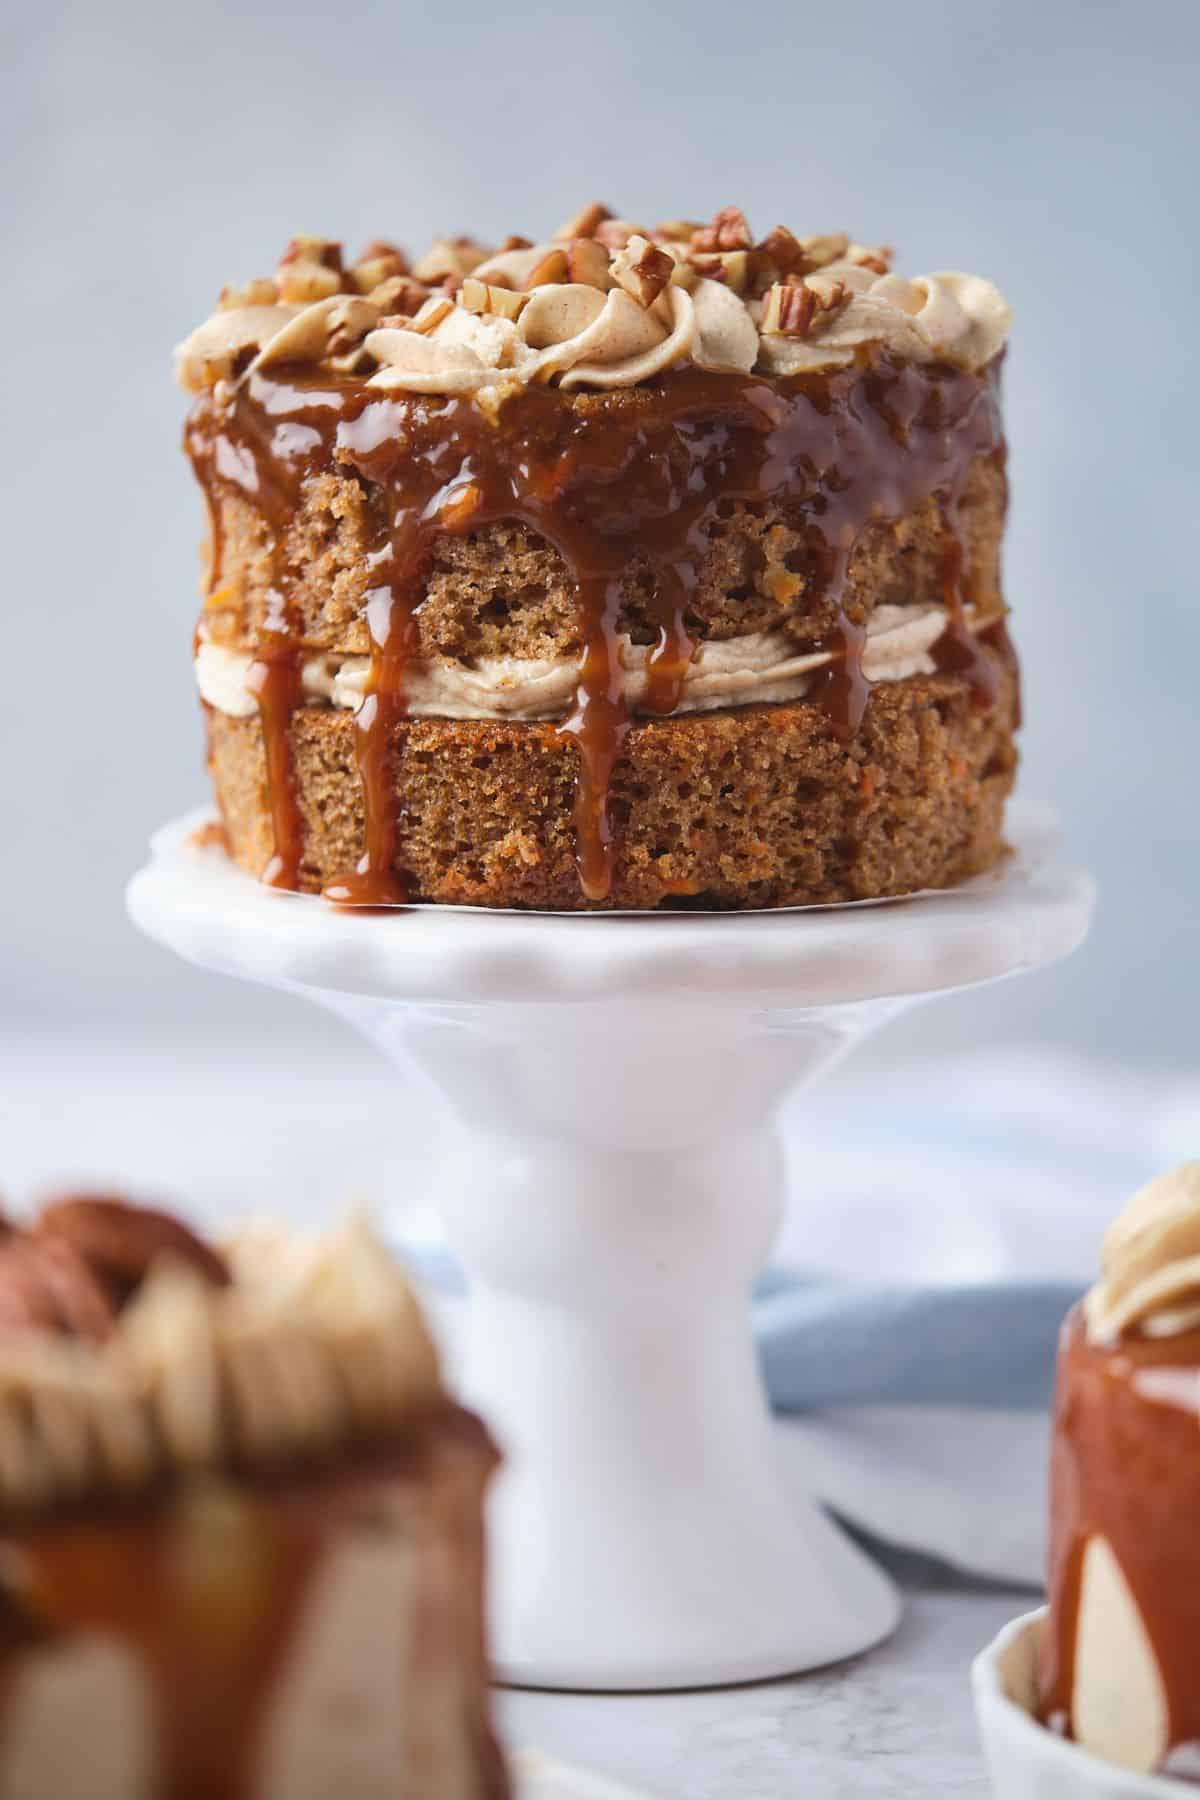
(606, 303)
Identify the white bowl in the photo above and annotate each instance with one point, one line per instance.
(539, 1777)
(1026, 1761)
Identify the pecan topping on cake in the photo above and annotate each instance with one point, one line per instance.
(167, 1354)
(951, 318)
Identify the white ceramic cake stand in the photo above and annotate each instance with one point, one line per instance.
(614, 1183)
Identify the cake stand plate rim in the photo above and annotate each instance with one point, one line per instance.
(1033, 911)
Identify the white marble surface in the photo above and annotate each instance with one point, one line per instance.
(896, 1723)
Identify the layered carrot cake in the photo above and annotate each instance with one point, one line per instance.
(630, 568)
(241, 1552)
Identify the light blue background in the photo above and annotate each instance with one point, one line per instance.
(152, 152)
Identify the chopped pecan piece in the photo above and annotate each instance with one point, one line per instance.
(552, 268)
(325, 251)
(481, 297)
(614, 234)
(583, 224)
(309, 269)
(400, 294)
(828, 247)
(876, 257)
(261, 292)
(792, 307)
(728, 231)
(784, 252)
(679, 231)
(587, 263)
(449, 259)
(643, 270)
(733, 267)
(378, 262)
(430, 316)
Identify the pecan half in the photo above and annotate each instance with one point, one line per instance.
(47, 1286)
(119, 1242)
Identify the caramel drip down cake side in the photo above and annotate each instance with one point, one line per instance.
(632, 568)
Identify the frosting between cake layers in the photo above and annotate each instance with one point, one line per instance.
(761, 667)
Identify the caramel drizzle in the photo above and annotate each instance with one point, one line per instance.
(390, 611)
(211, 1653)
(958, 651)
(274, 680)
(602, 486)
(1125, 1467)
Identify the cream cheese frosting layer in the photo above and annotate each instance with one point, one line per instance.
(763, 666)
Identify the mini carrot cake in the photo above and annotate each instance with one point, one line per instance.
(241, 1552)
(630, 568)
(1120, 1664)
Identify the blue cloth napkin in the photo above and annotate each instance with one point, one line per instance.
(828, 1342)
(838, 1343)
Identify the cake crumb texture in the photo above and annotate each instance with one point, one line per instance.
(757, 806)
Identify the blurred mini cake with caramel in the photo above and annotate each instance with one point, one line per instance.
(241, 1534)
(1120, 1649)
(631, 568)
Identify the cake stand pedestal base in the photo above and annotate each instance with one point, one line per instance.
(613, 1185)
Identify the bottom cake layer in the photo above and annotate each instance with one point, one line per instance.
(749, 807)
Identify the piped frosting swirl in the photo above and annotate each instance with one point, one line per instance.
(604, 304)
(1151, 1262)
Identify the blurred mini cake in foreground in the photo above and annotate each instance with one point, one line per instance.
(1120, 1651)
(635, 567)
(241, 1547)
